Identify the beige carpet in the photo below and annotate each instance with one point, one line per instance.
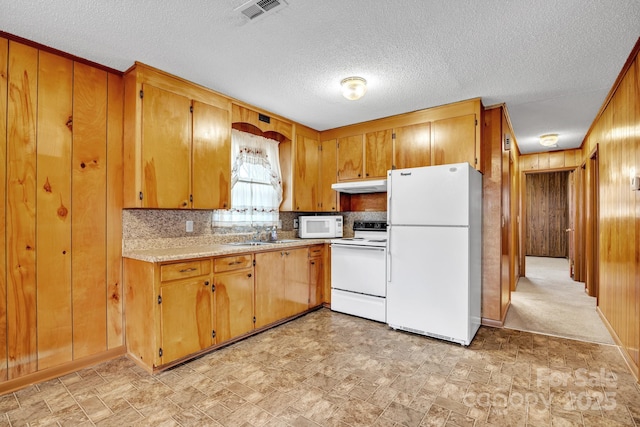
(549, 302)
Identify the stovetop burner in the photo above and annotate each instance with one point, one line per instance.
(366, 233)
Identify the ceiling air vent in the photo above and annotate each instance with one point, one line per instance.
(254, 9)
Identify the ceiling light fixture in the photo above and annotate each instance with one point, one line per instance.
(353, 88)
(549, 140)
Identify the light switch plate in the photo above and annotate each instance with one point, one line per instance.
(635, 183)
(189, 226)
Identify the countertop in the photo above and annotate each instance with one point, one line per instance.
(211, 250)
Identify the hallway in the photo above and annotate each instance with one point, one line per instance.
(547, 301)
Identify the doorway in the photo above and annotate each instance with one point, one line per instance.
(560, 247)
(547, 221)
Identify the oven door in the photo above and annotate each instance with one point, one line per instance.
(360, 269)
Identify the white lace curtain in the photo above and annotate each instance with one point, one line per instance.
(256, 183)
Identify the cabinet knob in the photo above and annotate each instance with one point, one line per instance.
(249, 275)
(359, 175)
(206, 283)
(367, 174)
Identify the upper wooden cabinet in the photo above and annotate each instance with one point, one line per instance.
(377, 154)
(211, 157)
(166, 149)
(433, 136)
(328, 172)
(314, 172)
(350, 157)
(365, 156)
(177, 143)
(306, 186)
(412, 146)
(454, 141)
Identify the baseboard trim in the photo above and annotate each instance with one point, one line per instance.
(60, 370)
(625, 354)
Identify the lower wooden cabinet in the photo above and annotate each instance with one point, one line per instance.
(185, 318)
(316, 275)
(233, 296)
(179, 309)
(282, 284)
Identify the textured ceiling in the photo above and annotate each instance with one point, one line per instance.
(551, 62)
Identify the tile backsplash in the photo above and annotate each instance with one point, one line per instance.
(139, 226)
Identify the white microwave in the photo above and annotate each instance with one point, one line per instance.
(320, 227)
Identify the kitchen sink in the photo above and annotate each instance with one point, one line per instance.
(248, 243)
(260, 242)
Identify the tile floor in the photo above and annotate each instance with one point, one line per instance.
(330, 369)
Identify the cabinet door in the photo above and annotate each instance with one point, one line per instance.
(412, 146)
(328, 196)
(166, 149)
(350, 157)
(211, 157)
(378, 149)
(269, 305)
(185, 318)
(316, 276)
(306, 176)
(233, 297)
(454, 140)
(296, 273)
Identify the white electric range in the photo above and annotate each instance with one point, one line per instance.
(358, 271)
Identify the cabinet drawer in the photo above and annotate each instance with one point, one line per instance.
(316, 251)
(232, 263)
(183, 270)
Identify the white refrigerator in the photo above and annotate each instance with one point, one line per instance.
(434, 256)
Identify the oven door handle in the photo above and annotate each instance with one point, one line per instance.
(368, 248)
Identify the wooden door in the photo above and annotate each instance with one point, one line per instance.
(53, 216)
(328, 174)
(306, 176)
(211, 157)
(20, 211)
(233, 304)
(547, 214)
(185, 317)
(269, 291)
(350, 158)
(378, 153)
(296, 273)
(454, 140)
(166, 149)
(412, 146)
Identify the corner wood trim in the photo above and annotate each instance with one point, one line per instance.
(635, 369)
(493, 323)
(58, 371)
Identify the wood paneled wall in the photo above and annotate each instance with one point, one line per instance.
(547, 214)
(61, 157)
(499, 215)
(616, 133)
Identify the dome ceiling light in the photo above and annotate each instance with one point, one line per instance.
(353, 88)
(549, 140)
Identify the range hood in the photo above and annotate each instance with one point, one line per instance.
(361, 187)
